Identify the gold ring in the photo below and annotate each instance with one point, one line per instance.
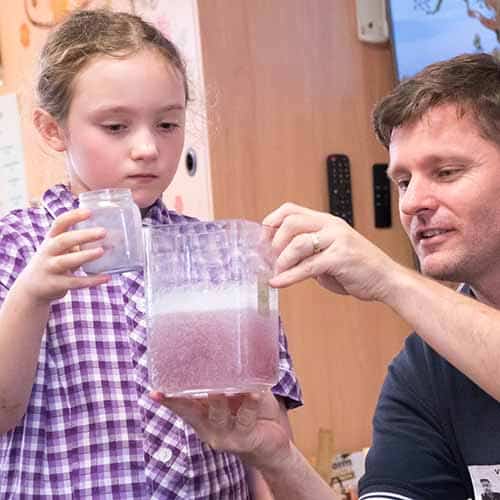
(315, 243)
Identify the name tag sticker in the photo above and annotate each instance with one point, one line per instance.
(485, 481)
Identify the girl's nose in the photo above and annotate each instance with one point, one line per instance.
(144, 147)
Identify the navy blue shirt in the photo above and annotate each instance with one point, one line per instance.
(434, 431)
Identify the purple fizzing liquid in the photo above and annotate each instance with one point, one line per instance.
(213, 348)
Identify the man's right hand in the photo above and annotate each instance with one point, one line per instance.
(313, 244)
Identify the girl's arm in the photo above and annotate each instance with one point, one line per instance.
(25, 310)
(22, 323)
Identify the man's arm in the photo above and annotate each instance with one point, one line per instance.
(454, 325)
(295, 479)
(258, 485)
(258, 431)
(276, 483)
(464, 331)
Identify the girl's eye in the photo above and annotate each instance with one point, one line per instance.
(168, 126)
(114, 127)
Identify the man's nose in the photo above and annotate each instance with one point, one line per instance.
(419, 196)
(144, 146)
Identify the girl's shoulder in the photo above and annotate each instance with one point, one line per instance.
(176, 218)
(160, 214)
(21, 233)
(25, 227)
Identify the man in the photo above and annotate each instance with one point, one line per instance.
(436, 427)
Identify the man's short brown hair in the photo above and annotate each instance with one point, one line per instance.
(470, 81)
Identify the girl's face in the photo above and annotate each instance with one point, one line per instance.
(125, 126)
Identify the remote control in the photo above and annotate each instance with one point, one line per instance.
(381, 195)
(339, 187)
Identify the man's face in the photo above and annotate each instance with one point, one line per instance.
(448, 179)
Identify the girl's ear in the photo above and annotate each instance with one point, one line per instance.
(51, 132)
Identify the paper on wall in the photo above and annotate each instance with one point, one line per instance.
(12, 176)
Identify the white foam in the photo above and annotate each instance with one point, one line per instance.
(228, 297)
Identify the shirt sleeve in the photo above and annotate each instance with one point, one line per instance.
(410, 455)
(287, 387)
(15, 251)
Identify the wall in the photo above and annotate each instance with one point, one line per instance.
(292, 84)
(20, 42)
(24, 26)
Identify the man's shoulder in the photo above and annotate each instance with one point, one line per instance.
(420, 370)
(415, 354)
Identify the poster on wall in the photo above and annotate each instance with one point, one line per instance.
(13, 192)
(191, 189)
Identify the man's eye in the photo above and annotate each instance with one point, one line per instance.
(447, 172)
(402, 184)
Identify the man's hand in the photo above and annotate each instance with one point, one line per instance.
(246, 424)
(318, 245)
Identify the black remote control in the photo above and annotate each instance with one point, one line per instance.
(381, 195)
(339, 187)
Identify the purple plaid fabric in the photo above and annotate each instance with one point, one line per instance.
(91, 431)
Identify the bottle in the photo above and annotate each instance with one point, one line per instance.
(115, 211)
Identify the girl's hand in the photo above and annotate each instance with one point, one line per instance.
(318, 245)
(245, 424)
(49, 274)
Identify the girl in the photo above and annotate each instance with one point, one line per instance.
(76, 419)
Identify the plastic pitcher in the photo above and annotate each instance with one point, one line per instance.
(213, 320)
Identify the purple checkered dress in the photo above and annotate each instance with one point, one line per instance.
(90, 430)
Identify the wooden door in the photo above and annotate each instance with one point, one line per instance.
(287, 83)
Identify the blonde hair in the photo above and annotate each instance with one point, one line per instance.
(85, 35)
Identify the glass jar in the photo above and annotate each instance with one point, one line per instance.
(115, 211)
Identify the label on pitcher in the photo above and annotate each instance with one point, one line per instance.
(263, 295)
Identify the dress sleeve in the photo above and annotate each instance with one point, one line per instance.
(410, 454)
(16, 247)
(287, 387)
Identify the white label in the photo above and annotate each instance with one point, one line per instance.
(485, 481)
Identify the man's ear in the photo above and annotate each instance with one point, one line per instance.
(51, 132)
